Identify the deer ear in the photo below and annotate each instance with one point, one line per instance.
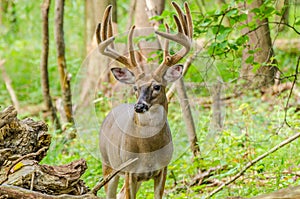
(123, 75)
(173, 73)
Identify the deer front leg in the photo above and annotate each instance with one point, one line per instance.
(131, 186)
(112, 185)
(159, 183)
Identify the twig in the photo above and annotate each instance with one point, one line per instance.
(251, 163)
(291, 91)
(41, 150)
(103, 182)
(8, 85)
(32, 181)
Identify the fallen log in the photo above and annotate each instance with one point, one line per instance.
(23, 144)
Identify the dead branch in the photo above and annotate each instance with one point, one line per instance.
(291, 91)
(9, 86)
(111, 175)
(251, 163)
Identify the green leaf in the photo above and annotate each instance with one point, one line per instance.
(232, 12)
(250, 59)
(242, 40)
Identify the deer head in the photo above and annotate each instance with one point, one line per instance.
(149, 88)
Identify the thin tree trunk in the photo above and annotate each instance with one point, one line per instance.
(44, 66)
(65, 77)
(284, 6)
(187, 117)
(260, 43)
(217, 107)
(9, 87)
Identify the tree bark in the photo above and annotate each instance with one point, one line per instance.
(65, 77)
(44, 66)
(260, 49)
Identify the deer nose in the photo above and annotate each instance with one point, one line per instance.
(141, 107)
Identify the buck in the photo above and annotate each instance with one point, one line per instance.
(141, 130)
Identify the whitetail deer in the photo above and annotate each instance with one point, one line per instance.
(141, 130)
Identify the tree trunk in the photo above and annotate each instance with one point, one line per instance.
(284, 6)
(152, 8)
(259, 49)
(44, 66)
(187, 117)
(65, 77)
(94, 10)
(95, 66)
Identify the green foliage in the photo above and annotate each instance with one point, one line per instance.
(251, 126)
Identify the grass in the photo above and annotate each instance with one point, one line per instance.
(251, 126)
(248, 132)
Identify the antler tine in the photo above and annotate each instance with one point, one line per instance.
(105, 22)
(181, 16)
(183, 37)
(166, 49)
(130, 47)
(105, 39)
(189, 19)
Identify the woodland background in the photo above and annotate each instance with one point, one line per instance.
(235, 117)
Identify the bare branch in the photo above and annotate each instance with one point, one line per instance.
(111, 175)
(253, 162)
(291, 91)
(9, 87)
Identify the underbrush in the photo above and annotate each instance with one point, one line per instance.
(251, 127)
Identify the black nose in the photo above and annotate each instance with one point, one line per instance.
(141, 107)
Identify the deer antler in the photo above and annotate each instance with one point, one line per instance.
(105, 39)
(183, 37)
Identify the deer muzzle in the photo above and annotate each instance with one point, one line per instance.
(141, 107)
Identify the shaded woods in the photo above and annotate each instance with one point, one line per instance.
(234, 115)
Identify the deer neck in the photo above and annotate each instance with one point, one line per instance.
(157, 115)
(151, 122)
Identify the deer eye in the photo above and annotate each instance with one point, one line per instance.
(156, 87)
(135, 88)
